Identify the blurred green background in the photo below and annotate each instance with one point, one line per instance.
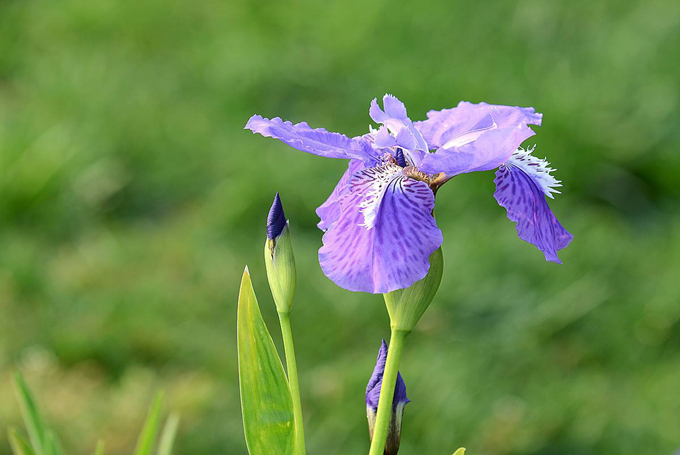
(131, 198)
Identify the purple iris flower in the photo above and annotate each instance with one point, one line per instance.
(399, 401)
(378, 221)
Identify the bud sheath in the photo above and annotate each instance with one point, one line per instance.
(406, 306)
(279, 259)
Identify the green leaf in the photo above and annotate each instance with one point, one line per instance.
(147, 438)
(168, 435)
(265, 398)
(460, 451)
(19, 445)
(32, 419)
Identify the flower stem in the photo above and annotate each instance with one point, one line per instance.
(382, 420)
(291, 366)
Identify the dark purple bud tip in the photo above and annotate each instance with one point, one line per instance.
(276, 220)
(375, 383)
(399, 157)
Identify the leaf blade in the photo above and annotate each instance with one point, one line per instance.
(266, 402)
(168, 435)
(18, 444)
(147, 437)
(32, 418)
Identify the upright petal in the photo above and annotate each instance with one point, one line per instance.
(316, 141)
(521, 188)
(395, 118)
(385, 234)
(329, 211)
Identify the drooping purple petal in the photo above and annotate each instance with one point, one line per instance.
(375, 383)
(276, 220)
(385, 234)
(459, 125)
(316, 141)
(486, 152)
(329, 211)
(523, 196)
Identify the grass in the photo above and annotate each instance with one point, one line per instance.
(132, 199)
(43, 441)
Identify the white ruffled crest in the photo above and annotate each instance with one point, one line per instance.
(375, 181)
(536, 168)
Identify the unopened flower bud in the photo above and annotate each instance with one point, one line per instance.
(279, 259)
(406, 306)
(398, 403)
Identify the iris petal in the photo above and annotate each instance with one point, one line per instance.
(385, 234)
(448, 124)
(329, 211)
(487, 152)
(524, 199)
(316, 141)
(474, 137)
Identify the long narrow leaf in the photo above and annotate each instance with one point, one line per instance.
(33, 421)
(19, 445)
(265, 397)
(168, 435)
(147, 438)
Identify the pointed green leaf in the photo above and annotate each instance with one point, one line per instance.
(147, 438)
(168, 435)
(265, 398)
(32, 419)
(19, 445)
(460, 451)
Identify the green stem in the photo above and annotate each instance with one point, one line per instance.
(382, 420)
(291, 364)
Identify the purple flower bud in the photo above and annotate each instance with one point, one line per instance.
(398, 403)
(279, 259)
(276, 220)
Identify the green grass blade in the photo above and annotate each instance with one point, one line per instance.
(33, 421)
(52, 445)
(168, 435)
(265, 398)
(100, 448)
(18, 444)
(147, 438)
